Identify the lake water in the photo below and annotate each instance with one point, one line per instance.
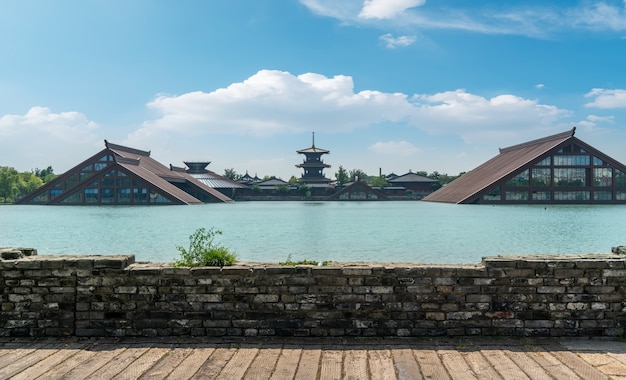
(340, 231)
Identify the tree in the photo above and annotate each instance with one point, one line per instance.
(232, 174)
(46, 175)
(358, 174)
(282, 189)
(8, 184)
(342, 175)
(379, 181)
(293, 180)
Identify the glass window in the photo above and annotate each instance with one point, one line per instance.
(542, 177)
(107, 181)
(43, 197)
(571, 195)
(91, 195)
(599, 162)
(520, 180)
(578, 160)
(516, 195)
(107, 196)
(71, 181)
(620, 195)
(123, 195)
(602, 177)
(140, 195)
(602, 195)
(545, 162)
(157, 198)
(99, 166)
(541, 196)
(620, 178)
(493, 195)
(75, 197)
(55, 193)
(569, 177)
(123, 182)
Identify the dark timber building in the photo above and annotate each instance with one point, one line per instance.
(313, 166)
(119, 175)
(552, 170)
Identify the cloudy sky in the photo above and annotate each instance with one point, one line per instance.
(394, 84)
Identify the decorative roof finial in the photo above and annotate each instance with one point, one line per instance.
(313, 140)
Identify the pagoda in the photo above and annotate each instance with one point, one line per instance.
(313, 165)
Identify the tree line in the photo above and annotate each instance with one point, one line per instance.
(344, 176)
(14, 184)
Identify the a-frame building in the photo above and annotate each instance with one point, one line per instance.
(120, 175)
(553, 170)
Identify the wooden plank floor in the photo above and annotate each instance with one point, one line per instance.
(199, 358)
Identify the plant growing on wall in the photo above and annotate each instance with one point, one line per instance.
(203, 251)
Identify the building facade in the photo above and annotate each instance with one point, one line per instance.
(557, 169)
(120, 175)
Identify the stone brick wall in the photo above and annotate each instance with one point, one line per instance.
(505, 295)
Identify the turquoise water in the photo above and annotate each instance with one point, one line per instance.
(340, 231)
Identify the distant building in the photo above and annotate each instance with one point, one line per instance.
(314, 166)
(221, 183)
(552, 170)
(358, 191)
(414, 182)
(120, 175)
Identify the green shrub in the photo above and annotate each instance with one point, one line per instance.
(203, 251)
(292, 263)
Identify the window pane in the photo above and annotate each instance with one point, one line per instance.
(516, 195)
(578, 160)
(602, 196)
(520, 180)
(620, 178)
(542, 177)
(571, 195)
(602, 176)
(140, 195)
(545, 162)
(569, 177)
(91, 195)
(541, 196)
(493, 195)
(107, 196)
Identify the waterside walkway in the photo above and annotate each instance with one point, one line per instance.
(259, 358)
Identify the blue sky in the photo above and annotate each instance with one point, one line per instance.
(392, 84)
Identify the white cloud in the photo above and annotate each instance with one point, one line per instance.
(477, 119)
(604, 98)
(395, 148)
(41, 138)
(400, 41)
(385, 9)
(537, 21)
(539, 86)
(271, 102)
(277, 102)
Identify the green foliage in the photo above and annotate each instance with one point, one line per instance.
(293, 180)
(291, 263)
(379, 182)
(203, 251)
(255, 188)
(232, 174)
(282, 189)
(342, 176)
(14, 184)
(358, 174)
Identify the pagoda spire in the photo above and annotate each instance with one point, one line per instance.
(313, 140)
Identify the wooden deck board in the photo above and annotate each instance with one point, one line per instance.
(355, 364)
(381, 365)
(181, 358)
(287, 363)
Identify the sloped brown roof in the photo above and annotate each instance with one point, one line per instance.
(466, 188)
(410, 177)
(158, 174)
